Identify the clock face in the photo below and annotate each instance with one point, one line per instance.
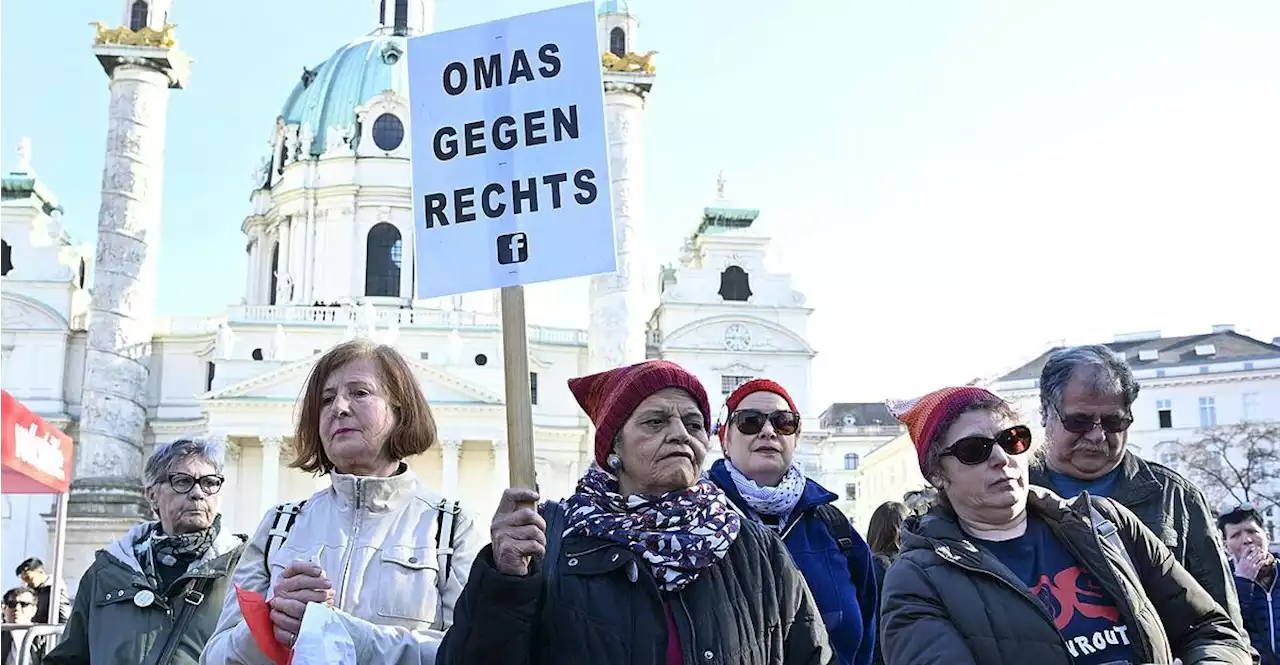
(737, 337)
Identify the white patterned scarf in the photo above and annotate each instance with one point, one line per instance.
(776, 501)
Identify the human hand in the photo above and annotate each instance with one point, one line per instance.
(301, 582)
(1253, 560)
(518, 532)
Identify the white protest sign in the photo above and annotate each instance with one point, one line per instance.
(510, 156)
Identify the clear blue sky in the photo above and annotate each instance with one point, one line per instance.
(953, 183)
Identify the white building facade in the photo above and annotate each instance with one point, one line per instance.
(330, 243)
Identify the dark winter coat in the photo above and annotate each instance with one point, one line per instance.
(597, 603)
(843, 583)
(112, 624)
(1179, 515)
(1260, 607)
(948, 602)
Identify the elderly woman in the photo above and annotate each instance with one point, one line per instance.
(760, 476)
(385, 552)
(152, 595)
(1000, 572)
(646, 563)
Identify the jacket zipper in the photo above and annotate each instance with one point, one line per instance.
(693, 631)
(355, 534)
(1025, 594)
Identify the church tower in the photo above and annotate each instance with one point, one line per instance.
(143, 62)
(616, 329)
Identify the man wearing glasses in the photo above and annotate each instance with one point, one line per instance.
(160, 587)
(20, 608)
(1086, 399)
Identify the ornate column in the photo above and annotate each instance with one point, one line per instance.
(231, 474)
(450, 449)
(106, 493)
(270, 471)
(618, 316)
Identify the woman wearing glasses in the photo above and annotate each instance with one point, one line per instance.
(762, 480)
(1002, 572)
(157, 589)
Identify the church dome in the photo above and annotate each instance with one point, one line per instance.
(327, 96)
(613, 7)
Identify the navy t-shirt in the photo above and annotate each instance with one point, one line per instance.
(1070, 487)
(1085, 615)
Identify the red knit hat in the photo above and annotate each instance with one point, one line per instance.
(610, 397)
(753, 386)
(923, 415)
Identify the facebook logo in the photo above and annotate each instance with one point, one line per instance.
(513, 248)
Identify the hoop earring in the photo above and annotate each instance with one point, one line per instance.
(613, 461)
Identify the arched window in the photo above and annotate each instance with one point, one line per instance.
(383, 255)
(382, 12)
(618, 42)
(402, 17)
(6, 257)
(275, 265)
(138, 15)
(735, 284)
(851, 462)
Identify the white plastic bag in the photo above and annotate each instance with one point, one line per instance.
(323, 640)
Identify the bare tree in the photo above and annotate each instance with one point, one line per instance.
(1238, 463)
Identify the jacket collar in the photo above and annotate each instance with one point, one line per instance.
(122, 548)
(813, 495)
(940, 530)
(1137, 482)
(374, 494)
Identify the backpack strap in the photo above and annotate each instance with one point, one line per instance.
(841, 529)
(1107, 532)
(286, 514)
(446, 526)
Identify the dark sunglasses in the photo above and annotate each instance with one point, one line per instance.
(1077, 423)
(183, 483)
(973, 450)
(751, 421)
(18, 603)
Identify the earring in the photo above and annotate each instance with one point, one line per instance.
(613, 461)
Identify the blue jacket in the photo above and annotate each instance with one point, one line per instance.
(849, 606)
(1260, 608)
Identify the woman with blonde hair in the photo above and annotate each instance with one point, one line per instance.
(389, 555)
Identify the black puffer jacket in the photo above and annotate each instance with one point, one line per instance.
(750, 608)
(949, 602)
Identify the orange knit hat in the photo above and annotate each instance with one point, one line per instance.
(924, 415)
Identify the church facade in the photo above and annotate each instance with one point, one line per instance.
(330, 246)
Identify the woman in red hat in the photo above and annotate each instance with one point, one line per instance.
(646, 563)
(760, 476)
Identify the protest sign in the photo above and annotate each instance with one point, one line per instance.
(510, 173)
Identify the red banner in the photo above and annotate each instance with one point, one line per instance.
(36, 457)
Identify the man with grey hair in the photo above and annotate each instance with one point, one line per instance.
(157, 592)
(1086, 404)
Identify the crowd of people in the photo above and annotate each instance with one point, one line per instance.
(1071, 550)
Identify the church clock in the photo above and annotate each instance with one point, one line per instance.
(737, 337)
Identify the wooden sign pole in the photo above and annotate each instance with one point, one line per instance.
(515, 360)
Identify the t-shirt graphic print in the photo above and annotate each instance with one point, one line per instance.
(1082, 611)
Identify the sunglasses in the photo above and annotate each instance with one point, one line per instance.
(751, 421)
(18, 603)
(183, 483)
(973, 450)
(1081, 424)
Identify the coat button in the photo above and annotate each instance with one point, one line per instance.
(573, 562)
(614, 557)
(708, 655)
(413, 559)
(120, 593)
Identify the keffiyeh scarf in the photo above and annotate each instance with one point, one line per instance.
(678, 533)
(772, 501)
(156, 547)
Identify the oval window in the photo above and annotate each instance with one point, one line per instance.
(388, 132)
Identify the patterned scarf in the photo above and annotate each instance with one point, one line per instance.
(155, 547)
(679, 533)
(772, 501)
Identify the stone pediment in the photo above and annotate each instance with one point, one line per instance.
(288, 382)
(709, 334)
(22, 313)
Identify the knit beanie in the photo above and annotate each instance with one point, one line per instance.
(924, 415)
(610, 397)
(752, 386)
